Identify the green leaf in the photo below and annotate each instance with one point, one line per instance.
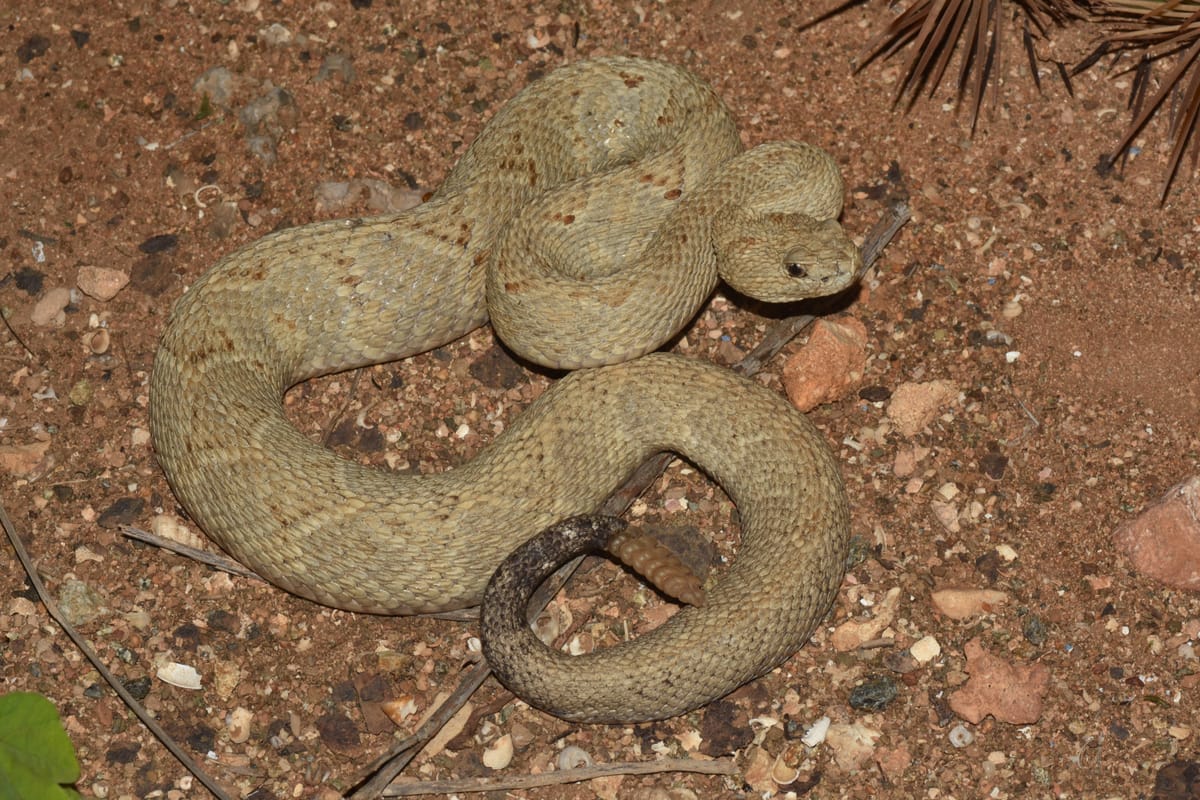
(36, 756)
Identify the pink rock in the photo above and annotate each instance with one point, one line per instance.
(23, 459)
(51, 308)
(1012, 693)
(853, 744)
(1163, 541)
(906, 460)
(915, 405)
(829, 365)
(101, 283)
(894, 761)
(967, 603)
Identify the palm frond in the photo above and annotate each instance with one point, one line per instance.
(974, 28)
(1161, 29)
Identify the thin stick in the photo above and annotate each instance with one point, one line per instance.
(13, 332)
(383, 769)
(52, 609)
(336, 418)
(561, 776)
(215, 560)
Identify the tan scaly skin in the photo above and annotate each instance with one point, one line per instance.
(346, 293)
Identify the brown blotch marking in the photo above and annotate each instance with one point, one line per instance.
(673, 194)
(512, 287)
(533, 173)
(568, 219)
(482, 256)
(647, 178)
(350, 280)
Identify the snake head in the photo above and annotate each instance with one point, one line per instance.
(782, 258)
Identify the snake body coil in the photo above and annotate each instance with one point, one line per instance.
(614, 166)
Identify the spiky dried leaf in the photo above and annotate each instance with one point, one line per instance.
(1161, 29)
(973, 28)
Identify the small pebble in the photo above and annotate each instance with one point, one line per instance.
(51, 310)
(138, 687)
(400, 708)
(874, 695)
(1009, 691)
(960, 736)
(102, 283)
(573, 757)
(79, 602)
(925, 649)
(965, 603)
(275, 35)
(853, 744)
(239, 724)
(829, 365)
(915, 405)
(1034, 631)
(855, 632)
(1163, 542)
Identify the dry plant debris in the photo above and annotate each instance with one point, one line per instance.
(1168, 29)
(976, 29)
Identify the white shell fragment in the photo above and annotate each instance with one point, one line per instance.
(573, 757)
(816, 732)
(181, 675)
(500, 754)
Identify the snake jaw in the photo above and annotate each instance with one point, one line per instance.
(783, 258)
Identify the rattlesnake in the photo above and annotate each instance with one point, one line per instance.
(623, 175)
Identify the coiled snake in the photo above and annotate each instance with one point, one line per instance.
(606, 198)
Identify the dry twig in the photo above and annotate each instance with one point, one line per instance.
(559, 777)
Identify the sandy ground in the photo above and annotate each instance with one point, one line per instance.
(1019, 245)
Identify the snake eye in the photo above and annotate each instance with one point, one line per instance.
(795, 270)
